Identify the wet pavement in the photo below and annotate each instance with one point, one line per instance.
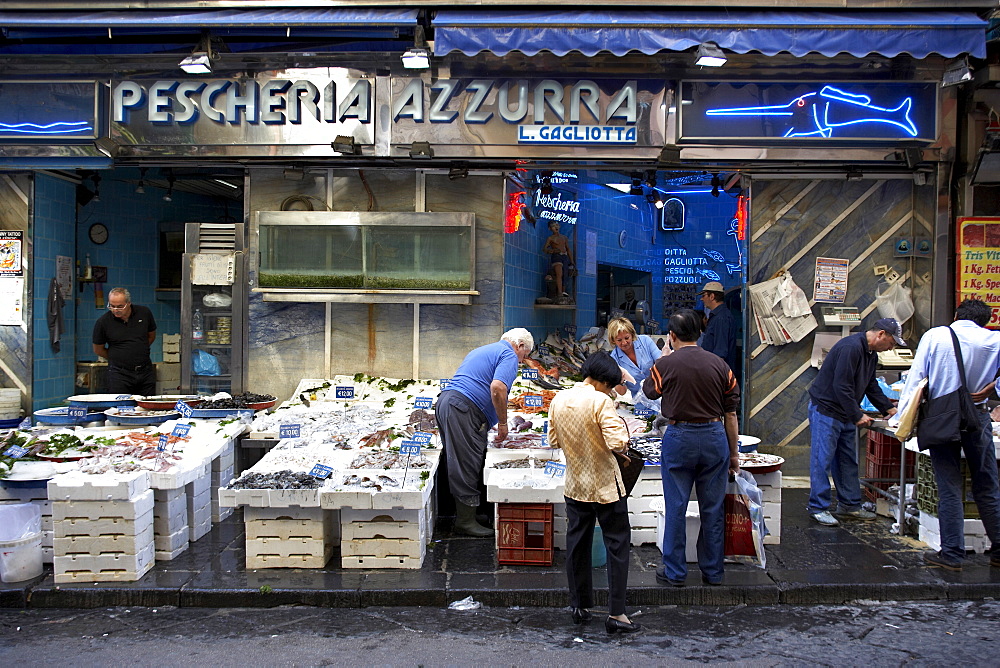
(812, 565)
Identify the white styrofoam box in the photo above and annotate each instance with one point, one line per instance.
(413, 531)
(771, 494)
(277, 553)
(642, 504)
(103, 568)
(100, 545)
(48, 554)
(47, 523)
(772, 479)
(188, 470)
(23, 494)
(358, 499)
(199, 516)
(170, 495)
(226, 460)
(383, 515)
(128, 510)
(163, 555)
(221, 479)
(171, 346)
(971, 527)
(200, 501)
(200, 485)
(975, 536)
(220, 513)
(164, 525)
(643, 536)
(286, 513)
(389, 499)
(381, 562)
(383, 547)
(171, 507)
(171, 357)
(692, 526)
(494, 456)
(495, 494)
(171, 338)
(200, 529)
(47, 537)
(171, 542)
(271, 498)
(79, 486)
(318, 528)
(104, 526)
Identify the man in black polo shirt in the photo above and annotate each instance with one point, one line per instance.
(123, 336)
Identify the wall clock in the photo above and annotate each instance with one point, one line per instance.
(98, 233)
(622, 238)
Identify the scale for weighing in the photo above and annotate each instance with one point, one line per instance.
(844, 317)
(897, 358)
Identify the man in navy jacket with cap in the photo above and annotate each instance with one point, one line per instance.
(847, 375)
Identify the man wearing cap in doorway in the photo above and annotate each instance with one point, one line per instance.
(720, 334)
(846, 376)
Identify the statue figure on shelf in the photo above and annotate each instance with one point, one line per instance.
(560, 265)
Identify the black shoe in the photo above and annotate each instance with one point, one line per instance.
(615, 626)
(661, 577)
(938, 560)
(995, 560)
(712, 583)
(581, 615)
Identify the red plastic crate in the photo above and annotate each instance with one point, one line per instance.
(524, 533)
(887, 467)
(883, 449)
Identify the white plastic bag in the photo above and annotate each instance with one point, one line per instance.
(745, 501)
(893, 301)
(794, 302)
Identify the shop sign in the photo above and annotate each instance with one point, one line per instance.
(48, 111)
(978, 263)
(11, 252)
(810, 112)
(679, 267)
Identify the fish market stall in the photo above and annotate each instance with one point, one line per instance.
(353, 469)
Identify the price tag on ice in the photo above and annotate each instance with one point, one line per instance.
(185, 410)
(444, 383)
(321, 471)
(289, 431)
(25, 423)
(554, 469)
(15, 451)
(529, 374)
(422, 402)
(162, 443)
(180, 430)
(641, 412)
(123, 397)
(422, 437)
(543, 349)
(532, 401)
(409, 448)
(344, 392)
(77, 412)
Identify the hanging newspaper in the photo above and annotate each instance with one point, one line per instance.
(781, 311)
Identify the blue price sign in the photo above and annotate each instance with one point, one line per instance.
(15, 451)
(543, 349)
(554, 469)
(422, 402)
(529, 374)
(444, 383)
(570, 329)
(162, 443)
(184, 409)
(123, 397)
(25, 423)
(545, 442)
(409, 448)
(181, 430)
(344, 392)
(532, 400)
(77, 412)
(641, 412)
(321, 471)
(289, 431)
(422, 437)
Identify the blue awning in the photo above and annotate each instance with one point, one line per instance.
(858, 33)
(296, 22)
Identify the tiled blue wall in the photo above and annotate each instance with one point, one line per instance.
(607, 212)
(54, 205)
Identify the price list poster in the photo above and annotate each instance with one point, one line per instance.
(978, 263)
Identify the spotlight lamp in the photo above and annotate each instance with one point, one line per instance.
(636, 188)
(200, 60)
(97, 186)
(140, 189)
(421, 149)
(107, 146)
(344, 145)
(651, 178)
(716, 182)
(710, 55)
(169, 197)
(956, 72)
(458, 172)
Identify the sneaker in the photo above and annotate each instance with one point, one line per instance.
(858, 514)
(938, 560)
(662, 577)
(825, 518)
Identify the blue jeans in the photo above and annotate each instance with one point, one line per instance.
(833, 449)
(695, 454)
(981, 458)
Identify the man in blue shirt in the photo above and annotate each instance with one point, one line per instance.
(935, 360)
(846, 376)
(720, 334)
(476, 399)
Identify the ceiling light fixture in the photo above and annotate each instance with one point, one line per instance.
(710, 55)
(200, 60)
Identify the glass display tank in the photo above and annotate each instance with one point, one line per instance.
(336, 250)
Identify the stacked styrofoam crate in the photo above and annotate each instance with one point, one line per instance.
(38, 497)
(642, 515)
(103, 527)
(975, 533)
(171, 532)
(291, 537)
(199, 506)
(770, 487)
(223, 468)
(692, 527)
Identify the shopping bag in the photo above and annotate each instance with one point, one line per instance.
(745, 529)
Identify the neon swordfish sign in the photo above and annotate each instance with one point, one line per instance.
(826, 113)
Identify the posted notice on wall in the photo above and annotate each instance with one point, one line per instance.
(978, 265)
(11, 248)
(11, 301)
(830, 284)
(64, 275)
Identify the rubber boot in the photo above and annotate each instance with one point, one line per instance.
(465, 521)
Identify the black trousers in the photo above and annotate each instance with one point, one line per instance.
(613, 518)
(140, 380)
(463, 435)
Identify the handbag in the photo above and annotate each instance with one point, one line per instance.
(943, 419)
(630, 464)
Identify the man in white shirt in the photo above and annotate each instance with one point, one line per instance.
(935, 360)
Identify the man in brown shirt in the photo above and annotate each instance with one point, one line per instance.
(699, 397)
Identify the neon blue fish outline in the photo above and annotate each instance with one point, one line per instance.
(828, 110)
(713, 255)
(57, 128)
(709, 274)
